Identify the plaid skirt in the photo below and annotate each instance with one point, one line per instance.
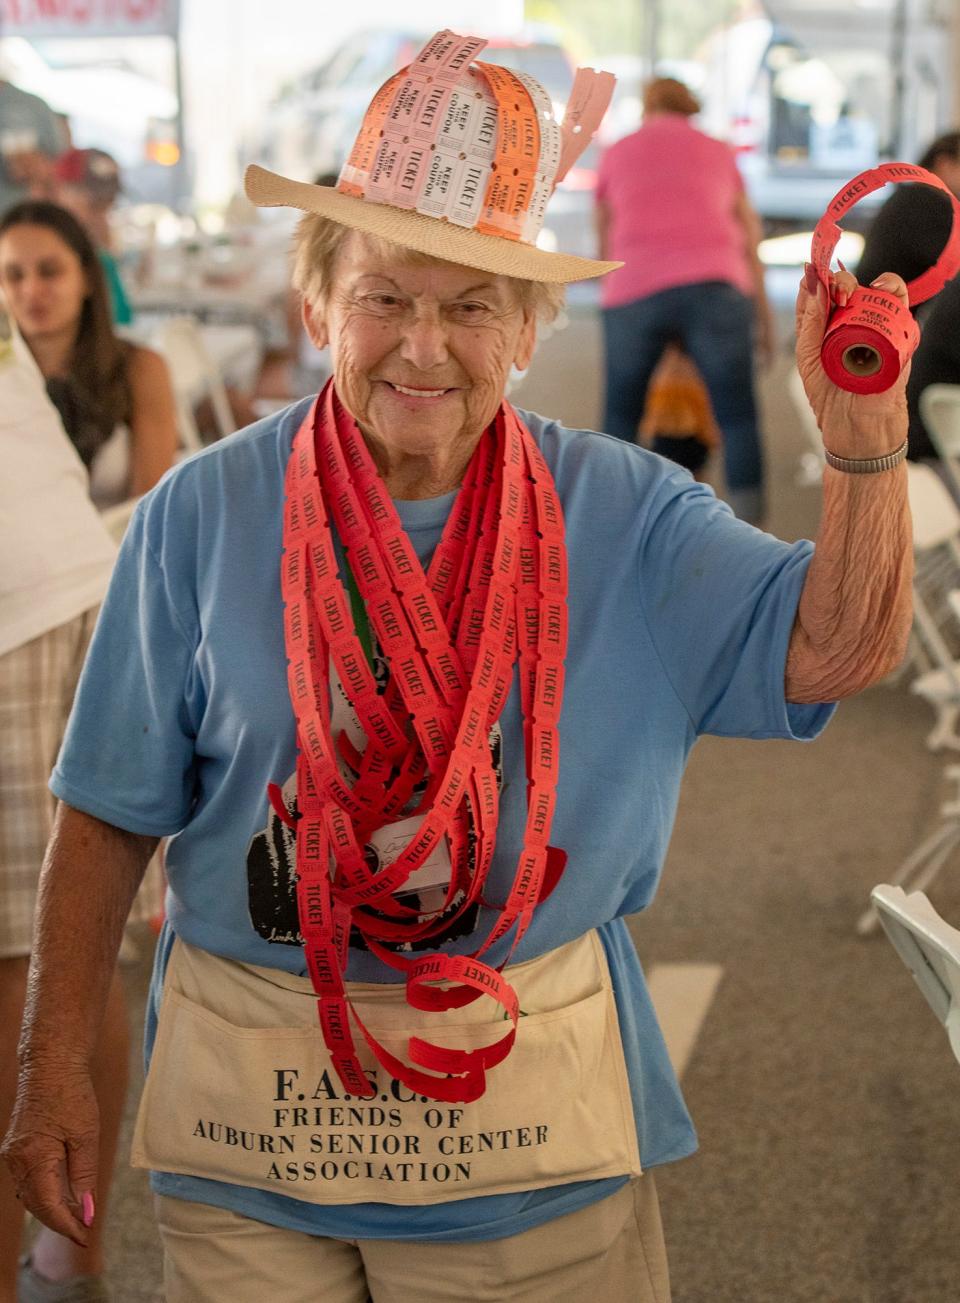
(37, 684)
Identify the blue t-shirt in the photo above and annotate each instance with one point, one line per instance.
(679, 617)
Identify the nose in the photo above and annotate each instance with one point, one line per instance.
(424, 343)
(29, 286)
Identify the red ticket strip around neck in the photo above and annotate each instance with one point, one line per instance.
(494, 598)
(868, 342)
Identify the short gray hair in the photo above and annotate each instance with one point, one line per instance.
(317, 242)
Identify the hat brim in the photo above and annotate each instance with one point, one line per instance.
(430, 235)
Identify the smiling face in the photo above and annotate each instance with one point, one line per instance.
(43, 280)
(421, 355)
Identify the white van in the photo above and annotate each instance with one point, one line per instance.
(813, 93)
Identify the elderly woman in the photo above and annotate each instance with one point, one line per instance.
(409, 678)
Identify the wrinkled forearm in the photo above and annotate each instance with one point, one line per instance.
(853, 619)
(90, 876)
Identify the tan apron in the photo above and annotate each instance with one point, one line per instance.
(241, 1088)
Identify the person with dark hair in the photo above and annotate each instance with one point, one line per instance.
(936, 362)
(57, 559)
(907, 235)
(671, 205)
(114, 397)
(910, 230)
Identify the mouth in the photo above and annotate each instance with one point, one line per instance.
(417, 393)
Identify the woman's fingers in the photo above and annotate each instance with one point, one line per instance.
(842, 285)
(890, 283)
(38, 1167)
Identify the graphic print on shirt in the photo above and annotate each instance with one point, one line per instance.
(271, 855)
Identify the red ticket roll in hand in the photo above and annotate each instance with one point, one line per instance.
(868, 342)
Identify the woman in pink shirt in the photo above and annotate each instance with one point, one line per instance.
(671, 206)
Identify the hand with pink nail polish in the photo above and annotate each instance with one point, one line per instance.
(51, 1146)
(853, 425)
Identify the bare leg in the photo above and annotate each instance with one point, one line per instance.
(53, 1256)
(13, 981)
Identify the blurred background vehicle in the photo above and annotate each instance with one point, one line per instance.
(809, 93)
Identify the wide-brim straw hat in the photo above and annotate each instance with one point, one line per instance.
(438, 236)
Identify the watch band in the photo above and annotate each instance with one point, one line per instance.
(866, 465)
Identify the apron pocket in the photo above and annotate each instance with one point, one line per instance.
(262, 1106)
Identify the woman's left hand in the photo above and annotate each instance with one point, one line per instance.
(853, 425)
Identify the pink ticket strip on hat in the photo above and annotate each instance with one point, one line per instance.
(356, 171)
(476, 146)
(413, 141)
(588, 102)
(462, 154)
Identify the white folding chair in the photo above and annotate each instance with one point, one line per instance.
(936, 634)
(195, 376)
(936, 626)
(929, 947)
(923, 863)
(940, 412)
(117, 518)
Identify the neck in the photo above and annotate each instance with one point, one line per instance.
(411, 476)
(53, 353)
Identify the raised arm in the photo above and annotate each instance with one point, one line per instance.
(853, 619)
(90, 876)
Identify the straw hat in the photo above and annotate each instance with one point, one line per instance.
(457, 159)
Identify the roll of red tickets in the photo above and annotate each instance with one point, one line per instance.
(868, 342)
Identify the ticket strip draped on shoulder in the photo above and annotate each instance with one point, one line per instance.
(868, 342)
(494, 597)
(476, 144)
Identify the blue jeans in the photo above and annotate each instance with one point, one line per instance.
(713, 322)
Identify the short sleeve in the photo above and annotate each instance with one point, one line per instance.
(720, 599)
(131, 762)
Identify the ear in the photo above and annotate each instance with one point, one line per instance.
(314, 323)
(523, 353)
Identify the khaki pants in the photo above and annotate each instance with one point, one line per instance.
(610, 1252)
